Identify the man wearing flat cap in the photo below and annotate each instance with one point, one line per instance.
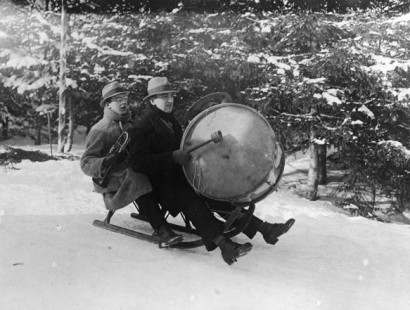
(123, 185)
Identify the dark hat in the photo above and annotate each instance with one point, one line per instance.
(110, 90)
(159, 85)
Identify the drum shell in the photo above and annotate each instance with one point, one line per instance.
(245, 166)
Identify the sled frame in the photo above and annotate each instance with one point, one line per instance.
(235, 221)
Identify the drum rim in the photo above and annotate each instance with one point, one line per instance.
(207, 100)
(243, 196)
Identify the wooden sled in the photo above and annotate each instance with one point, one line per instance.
(234, 222)
(247, 148)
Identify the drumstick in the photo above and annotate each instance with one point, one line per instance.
(216, 137)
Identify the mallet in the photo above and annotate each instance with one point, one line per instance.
(216, 137)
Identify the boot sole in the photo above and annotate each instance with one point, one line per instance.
(289, 223)
(170, 242)
(244, 249)
(241, 251)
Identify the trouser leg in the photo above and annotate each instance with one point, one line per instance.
(253, 227)
(204, 222)
(149, 208)
(254, 223)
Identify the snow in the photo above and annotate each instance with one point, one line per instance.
(266, 58)
(367, 111)
(89, 42)
(3, 34)
(400, 19)
(330, 95)
(398, 146)
(314, 81)
(385, 64)
(17, 61)
(201, 30)
(226, 31)
(357, 122)
(40, 18)
(331, 98)
(52, 257)
(20, 84)
(72, 83)
(253, 59)
(402, 93)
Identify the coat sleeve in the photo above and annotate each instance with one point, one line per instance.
(93, 156)
(144, 158)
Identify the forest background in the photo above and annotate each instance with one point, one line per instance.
(327, 74)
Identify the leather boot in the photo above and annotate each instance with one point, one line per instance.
(271, 232)
(231, 250)
(167, 236)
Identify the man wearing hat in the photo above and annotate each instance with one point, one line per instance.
(124, 185)
(155, 152)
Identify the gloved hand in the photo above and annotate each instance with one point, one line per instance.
(181, 157)
(114, 159)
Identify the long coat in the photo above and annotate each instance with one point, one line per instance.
(154, 137)
(124, 184)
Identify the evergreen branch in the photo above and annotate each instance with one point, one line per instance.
(404, 127)
(332, 128)
(330, 117)
(307, 116)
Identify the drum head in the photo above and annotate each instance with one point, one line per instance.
(245, 166)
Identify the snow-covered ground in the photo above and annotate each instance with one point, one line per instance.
(52, 257)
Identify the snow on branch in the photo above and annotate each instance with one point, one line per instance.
(22, 85)
(400, 19)
(17, 61)
(366, 110)
(40, 18)
(89, 42)
(396, 145)
(308, 115)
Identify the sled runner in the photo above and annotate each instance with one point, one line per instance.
(241, 167)
(235, 223)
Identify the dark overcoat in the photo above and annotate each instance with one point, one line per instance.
(124, 184)
(154, 137)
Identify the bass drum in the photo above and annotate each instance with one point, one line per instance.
(245, 166)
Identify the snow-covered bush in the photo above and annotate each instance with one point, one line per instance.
(377, 161)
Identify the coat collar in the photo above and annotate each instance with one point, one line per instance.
(165, 125)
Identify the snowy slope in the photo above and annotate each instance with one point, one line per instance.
(52, 257)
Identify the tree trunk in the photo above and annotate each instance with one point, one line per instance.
(313, 175)
(69, 143)
(38, 128)
(62, 95)
(5, 129)
(313, 179)
(403, 202)
(322, 172)
(50, 138)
